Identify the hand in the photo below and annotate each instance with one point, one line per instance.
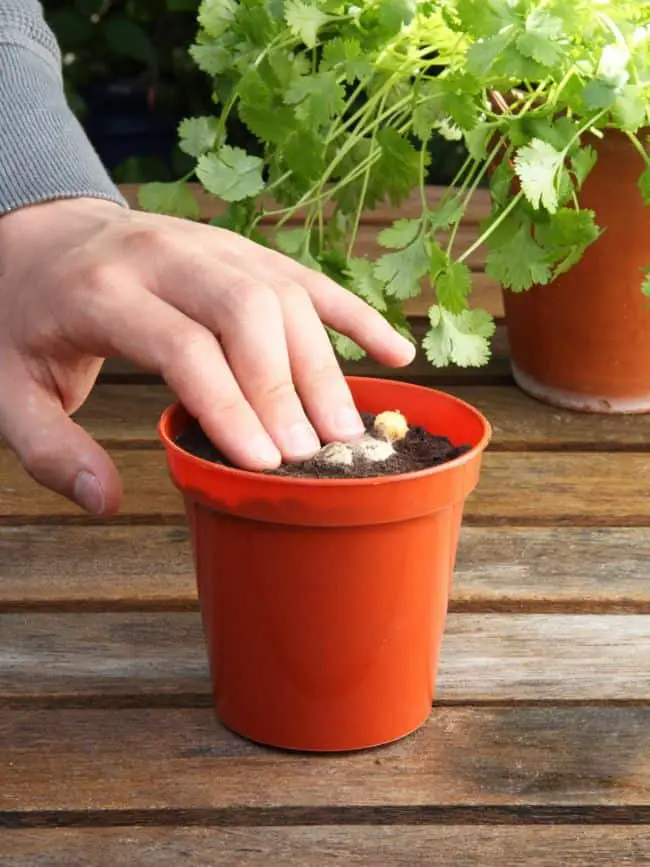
(235, 330)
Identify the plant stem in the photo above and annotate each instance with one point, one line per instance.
(639, 147)
(495, 225)
(364, 187)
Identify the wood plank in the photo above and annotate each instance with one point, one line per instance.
(100, 568)
(420, 370)
(466, 764)
(136, 657)
(499, 569)
(388, 846)
(478, 208)
(126, 415)
(528, 489)
(563, 569)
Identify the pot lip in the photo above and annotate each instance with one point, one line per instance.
(371, 481)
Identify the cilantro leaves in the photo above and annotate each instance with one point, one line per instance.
(344, 99)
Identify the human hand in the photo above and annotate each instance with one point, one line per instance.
(234, 328)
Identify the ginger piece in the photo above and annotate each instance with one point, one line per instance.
(391, 425)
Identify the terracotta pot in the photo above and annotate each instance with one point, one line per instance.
(584, 341)
(324, 601)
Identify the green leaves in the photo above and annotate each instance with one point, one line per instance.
(318, 97)
(462, 339)
(175, 199)
(345, 99)
(231, 174)
(363, 282)
(305, 20)
(215, 16)
(644, 184)
(453, 285)
(537, 166)
(543, 37)
(198, 135)
(519, 262)
(400, 234)
(402, 271)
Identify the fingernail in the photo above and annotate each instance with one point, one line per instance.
(265, 453)
(348, 422)
(89, 493)
(301, 441)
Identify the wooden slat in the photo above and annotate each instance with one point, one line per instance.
(357, 846)
(85, 764)
(95, 567)
(555, 569)
(420, 370)
(520, 488)
(499, 569)
(477, 210)
(126, 415)
(486, 657)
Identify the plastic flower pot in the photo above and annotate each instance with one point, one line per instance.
(324, 601)
(583, 342)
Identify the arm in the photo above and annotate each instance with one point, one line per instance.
(44, 153)
(235, 329)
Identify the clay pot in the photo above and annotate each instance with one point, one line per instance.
(324, 601)
(584, 341)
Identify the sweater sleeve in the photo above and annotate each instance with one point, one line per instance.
(44, 152)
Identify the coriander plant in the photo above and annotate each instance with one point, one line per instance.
(344, 98)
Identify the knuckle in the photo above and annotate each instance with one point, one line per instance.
(248, 299)
(187, 348)
(90, 277)
(146, 242)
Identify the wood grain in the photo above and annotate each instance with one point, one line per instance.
(521, 488)
(83, 764)
(477, 209)
(499, 569)
(367, 846)
(101, 568)
(132, 657)
(127, 416)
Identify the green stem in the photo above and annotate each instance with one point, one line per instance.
(639, 147)
(495, 225)
(364, 187)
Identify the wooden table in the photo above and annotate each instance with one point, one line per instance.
(538, 747)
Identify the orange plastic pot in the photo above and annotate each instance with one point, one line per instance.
(324, 601)
(584, 341)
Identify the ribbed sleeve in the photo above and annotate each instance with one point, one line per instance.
(44, 152)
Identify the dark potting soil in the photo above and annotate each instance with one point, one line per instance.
(419, 450)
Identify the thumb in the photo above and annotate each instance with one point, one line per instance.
(56, 451)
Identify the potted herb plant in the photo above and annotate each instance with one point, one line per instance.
(324, 585)
(551, 101)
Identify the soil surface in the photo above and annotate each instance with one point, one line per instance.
(419, 450)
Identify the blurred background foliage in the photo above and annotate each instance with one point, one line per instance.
(130, 80)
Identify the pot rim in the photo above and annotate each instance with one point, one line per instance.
(371, 481)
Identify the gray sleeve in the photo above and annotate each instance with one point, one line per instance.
(44, 152)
